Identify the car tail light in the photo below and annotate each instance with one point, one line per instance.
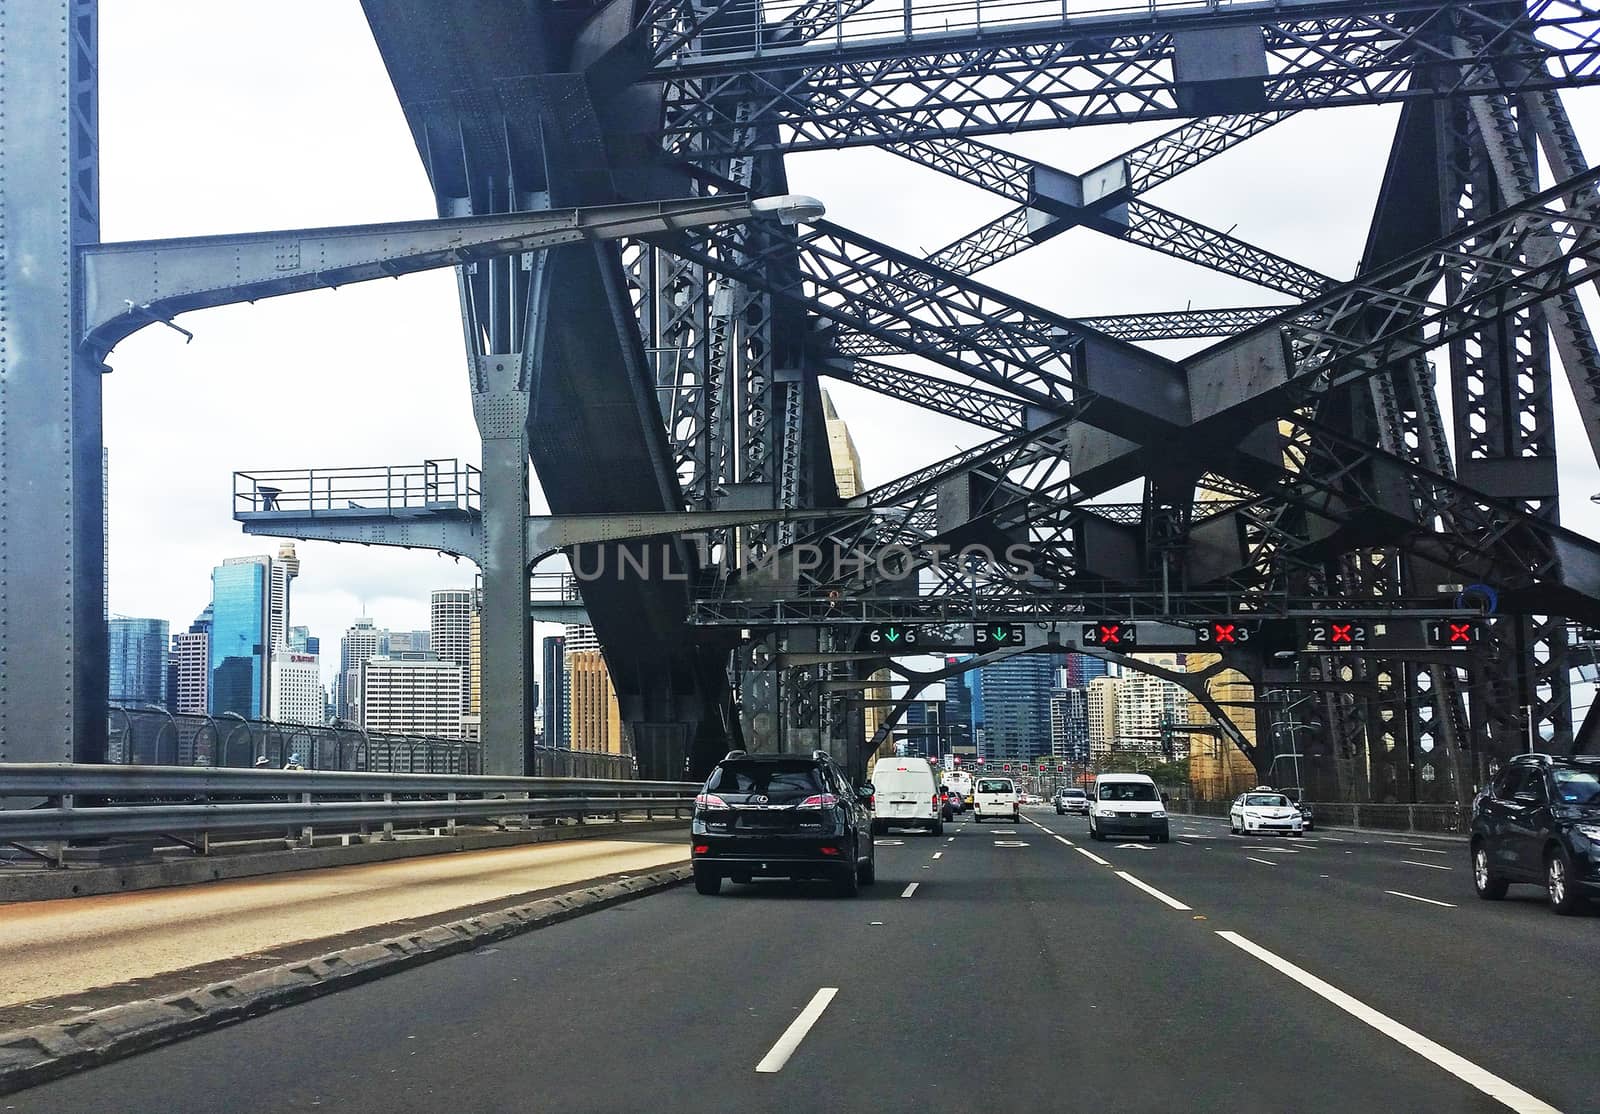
(820, 800)
(936, 800)
(829, 850)
(709, 800)
(701, 848)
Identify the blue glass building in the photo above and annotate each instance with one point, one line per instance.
(138, 661)
(241, 595)
(1011, 706)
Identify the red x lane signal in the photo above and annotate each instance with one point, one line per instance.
(1338, 634)
(1455, 633)
(1109, 634)
(1341, 631)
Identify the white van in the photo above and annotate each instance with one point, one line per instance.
(1127, 805)
(906, 794)
(995, 798)
(960, 781)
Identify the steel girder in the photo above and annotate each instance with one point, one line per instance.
(1160, 64)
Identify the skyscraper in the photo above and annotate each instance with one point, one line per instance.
(958, 714)
(360, 642)
(842, 451)
(296, 687)
(138, 661)
(189, 667)
(1014, 696)
(413, 644)
(450, 613)
(1102, 710)
(1146, 702)
(1081, 669)
(596, 720)
(553, 708)
(284, 570)
(416, 696)
(241, 632)
(1069, 724)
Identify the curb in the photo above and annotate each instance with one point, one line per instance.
(35, 1055)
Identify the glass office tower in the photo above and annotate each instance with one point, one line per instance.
(241, 597)
(138, 661)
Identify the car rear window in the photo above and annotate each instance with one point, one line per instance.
(995, 786)
(777, 780)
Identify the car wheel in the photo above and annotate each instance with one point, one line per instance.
(877, 828)
(707, 882)
(1297, 835)
(848, 882)
(938, 828)
(867, 872)
(1564, 896)
(1490, 886)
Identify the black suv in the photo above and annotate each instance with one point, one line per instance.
(782, 815)
(1538, 821)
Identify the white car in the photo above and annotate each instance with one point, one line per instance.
(995, 798)
(1264, 811)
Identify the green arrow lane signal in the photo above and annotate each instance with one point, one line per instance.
(893, 635)
(999, 634)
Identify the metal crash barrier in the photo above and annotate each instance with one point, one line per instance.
(64, 803)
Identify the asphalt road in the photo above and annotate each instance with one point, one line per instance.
(1020, 974)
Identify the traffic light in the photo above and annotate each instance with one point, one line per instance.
(1007, 767)
(1455, 633)
(1222, 632)
(1109, 634)
(1000, 634)
(1338, 634)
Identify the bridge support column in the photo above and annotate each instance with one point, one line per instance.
(500, 407)
(53, 655)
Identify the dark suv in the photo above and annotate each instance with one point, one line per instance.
(1538, 821)
(782, 815)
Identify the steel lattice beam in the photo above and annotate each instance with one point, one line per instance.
(1053, 74)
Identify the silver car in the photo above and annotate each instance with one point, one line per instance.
(1072, 800)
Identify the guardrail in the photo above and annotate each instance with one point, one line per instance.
(189, 804)
(1430, 819)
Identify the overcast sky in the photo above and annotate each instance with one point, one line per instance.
(219, 117)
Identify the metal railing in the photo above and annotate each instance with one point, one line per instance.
(151, 735)
(190, 804)
(1429, 819)
(763, 27)
(432, 486)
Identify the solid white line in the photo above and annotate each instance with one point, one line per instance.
(1092, 855)
(1430, 866)
(938, 854)
(1067, 841)
(911, 889)
(1463, 1069)
(1263, 862)
(796, 1032)
(1333, 839)
(1152, 891)
(1426, 850)
(1414, 897)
